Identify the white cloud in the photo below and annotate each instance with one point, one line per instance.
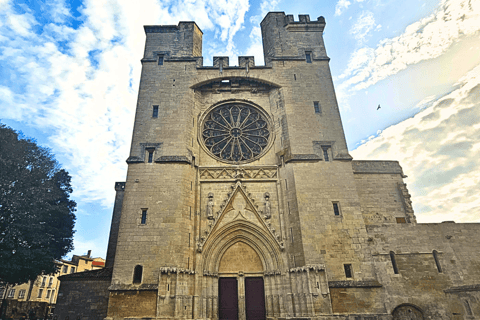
(439, 150)
(426, 39)
(362, 27)
(256, 44)
(81, 84)
(341, 6)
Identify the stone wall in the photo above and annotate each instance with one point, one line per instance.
(84, 295)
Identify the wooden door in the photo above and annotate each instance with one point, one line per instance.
(228, 298)
(254, 298)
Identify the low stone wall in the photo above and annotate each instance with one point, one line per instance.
(14, 309)
(84, 295)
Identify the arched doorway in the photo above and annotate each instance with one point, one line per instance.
(244, 252)
(241, 289)
(407, 312)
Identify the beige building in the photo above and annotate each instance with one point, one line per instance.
(242, 201)
(45, 288)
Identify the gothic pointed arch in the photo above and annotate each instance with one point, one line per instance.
(247, 233)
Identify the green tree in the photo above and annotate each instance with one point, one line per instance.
(36, 214)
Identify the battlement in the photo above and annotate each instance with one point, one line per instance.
(182, 40)
(287, 39)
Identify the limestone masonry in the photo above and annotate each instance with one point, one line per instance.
(242, 201)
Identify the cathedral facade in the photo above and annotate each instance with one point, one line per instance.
(242, 201)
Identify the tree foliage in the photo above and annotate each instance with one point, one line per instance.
(36, 214)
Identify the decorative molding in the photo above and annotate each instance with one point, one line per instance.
(207, 273)
(239, 173)
(355, 284)
(176, 270)
(302, 158)
(173, 159)
(313, 267)
(473, 287)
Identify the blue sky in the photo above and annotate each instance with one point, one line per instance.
(69, 74)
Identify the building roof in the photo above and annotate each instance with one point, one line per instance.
(105, 273)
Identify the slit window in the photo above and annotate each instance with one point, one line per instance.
(308, 57)
(291, 234)
(326, 157)
(144, 216)
(155, 112)
(348, 270)
(40, 293)
(394, 262)
(316, 106)
(160, 60)
(437, 262)
(150, 155)
(137, 274)
(336, 208)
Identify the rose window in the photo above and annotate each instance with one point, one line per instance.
(236, 132)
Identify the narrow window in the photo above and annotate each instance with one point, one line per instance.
(294, 262)
(137, 274)
(11, 293)
(72, 269)
(308, 57)
(295, 77)
(188, 263)
(325, 154)
(155, 112)
(286, 184)
(291, 234)
(191, 185)
(316, 106)
(437, 262)
(160, 60)
(150, 155)
(190, 213)
(21, 294)
(194, 122)
(336, 208)
(288, 204)
(394, 262)
(348, 270)
(168, 287)
(44, 280)
(189, 235)
(40, 293)
(48, 294)
(144, 216)
(50, 282)
(65, 269)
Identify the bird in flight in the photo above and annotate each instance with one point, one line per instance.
(378, 107)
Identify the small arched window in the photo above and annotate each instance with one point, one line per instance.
(394, 262)
(437, 262)
(137, 274)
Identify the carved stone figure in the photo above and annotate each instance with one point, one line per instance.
(268, 210)
(210, 205)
